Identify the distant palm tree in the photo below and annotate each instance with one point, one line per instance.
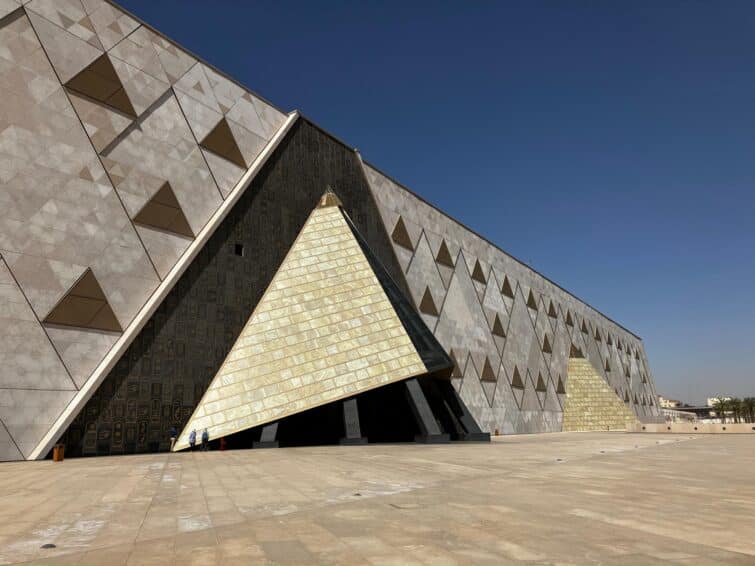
(748, 405)
(721, 406)
(735, 406)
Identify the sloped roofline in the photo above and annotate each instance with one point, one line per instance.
(194, 55)
(369, 164)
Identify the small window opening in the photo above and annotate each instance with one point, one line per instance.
(238, 249)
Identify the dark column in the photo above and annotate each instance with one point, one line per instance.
(267, 439)
(430, 431)
(454, 404)
(351, 423)
(443, 413)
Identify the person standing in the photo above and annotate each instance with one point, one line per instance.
(193, 439)
(205, 440)
(173, 436)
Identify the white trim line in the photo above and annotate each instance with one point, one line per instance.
(154, 301)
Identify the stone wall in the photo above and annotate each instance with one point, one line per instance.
(510, 329)
(98, 112)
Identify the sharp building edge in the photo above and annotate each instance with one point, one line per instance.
(147, 202)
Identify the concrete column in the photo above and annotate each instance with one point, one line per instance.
(430, 431)
(351, 423)
(268, 437)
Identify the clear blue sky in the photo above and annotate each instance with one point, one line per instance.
(611, 145)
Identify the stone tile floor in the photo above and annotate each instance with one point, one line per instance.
(571, 498)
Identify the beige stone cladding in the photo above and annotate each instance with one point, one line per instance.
(591, 404)
(95, 119)
(324, 330)
(510, 329)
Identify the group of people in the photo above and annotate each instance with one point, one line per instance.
(192, 439)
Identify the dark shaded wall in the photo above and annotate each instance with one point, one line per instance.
(163, 374)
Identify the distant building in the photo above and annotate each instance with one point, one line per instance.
(668, 403)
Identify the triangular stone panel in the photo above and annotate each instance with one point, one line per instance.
(478, 274)
(516, 379)
(487, 372)
(444, 256)
(221, 142)
(530, 400)
(531, 301)
(506, 288)
(427, 304)
(68, 53)
(462, 324)
(101, 122)
(163, 212)
(99, 81)
(425, 284)
(400, 235)
(324, 330)
(85, 306)
(552, 402)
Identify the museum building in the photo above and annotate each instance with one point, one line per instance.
(175, 251)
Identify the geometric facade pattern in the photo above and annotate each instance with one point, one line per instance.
(85, 306)
(324, 330)
(590, 404)
(510, 329)
(120, 153)
(95, 119)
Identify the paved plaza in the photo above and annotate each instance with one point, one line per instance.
(569, 498)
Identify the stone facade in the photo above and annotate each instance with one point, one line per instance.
(509, 329)
(107, 131)
(75, 170)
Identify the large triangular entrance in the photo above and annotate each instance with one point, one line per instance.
(327, 328)
(85, 306)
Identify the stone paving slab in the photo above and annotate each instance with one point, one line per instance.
(568, 498)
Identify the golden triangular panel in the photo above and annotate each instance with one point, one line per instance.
(220, 141)
(85, 306)
(162, 211)
(99, 81)
(324, 330)
(329, 198)
(590, 403)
